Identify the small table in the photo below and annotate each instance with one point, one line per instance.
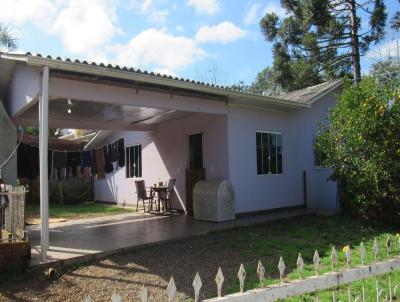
(158, 190)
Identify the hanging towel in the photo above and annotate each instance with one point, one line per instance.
(60, 159)
(114, 152)
(93, 168)
(73, 161)
(108, 167)
(121, 152)
(86, 159)
(100, 163)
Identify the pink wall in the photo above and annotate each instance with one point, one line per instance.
(164, 155)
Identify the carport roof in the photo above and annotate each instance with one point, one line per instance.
(292, 100)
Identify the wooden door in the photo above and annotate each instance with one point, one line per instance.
(195, 170)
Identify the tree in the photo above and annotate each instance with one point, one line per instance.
(265, 83)
(7, 40)
(395, 22)
(361, 145)
(323, 35)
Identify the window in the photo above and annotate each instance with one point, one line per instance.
(133, 161)
(269, 153)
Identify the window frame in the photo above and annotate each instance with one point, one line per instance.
(276, 158)
(128, 173)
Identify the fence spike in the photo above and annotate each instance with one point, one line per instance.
(390, 287)
(317, 262)
(219, 279)
(116, 298)
(362, 253)
(376, 248)
(388, 246)
(300, 266)
(144, 294)
(334, 258)
(348, 255)
(242, 276)
(171, 289)
(197, 284)
(87, 299)
(261, 272)
(281, 267)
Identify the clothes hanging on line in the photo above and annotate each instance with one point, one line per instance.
(100, 163)
(108, 167)
(121, 152)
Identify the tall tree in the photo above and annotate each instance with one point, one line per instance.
(7, 40)
(325, 35)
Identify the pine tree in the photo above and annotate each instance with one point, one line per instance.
(7, 40)
(325, 35)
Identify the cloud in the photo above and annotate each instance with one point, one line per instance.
(82, 26)
(207, 7)
(179, 28)
(157, 49)
(273, 7)
(86, 25)
(148, 9)
(256, 11)
(384, 51)
(224, 32)
(253, 14)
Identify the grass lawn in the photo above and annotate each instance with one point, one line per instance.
(76, 211)
(125, 273)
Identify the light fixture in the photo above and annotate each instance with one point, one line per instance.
(69, 105)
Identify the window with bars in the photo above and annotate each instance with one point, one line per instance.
(269, 153)
(133, 161)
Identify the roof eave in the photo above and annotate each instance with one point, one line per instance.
(329, 90)
(257, 100)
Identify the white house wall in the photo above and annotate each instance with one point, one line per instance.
(264, 192)
(164, 156)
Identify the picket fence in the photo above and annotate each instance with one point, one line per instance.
(330, 281)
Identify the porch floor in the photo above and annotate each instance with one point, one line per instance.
(84, 240)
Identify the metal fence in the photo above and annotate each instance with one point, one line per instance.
(321, 282)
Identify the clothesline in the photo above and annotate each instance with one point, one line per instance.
(83, 150)
(95, 161)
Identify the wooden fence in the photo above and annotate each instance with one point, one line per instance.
(331, 281)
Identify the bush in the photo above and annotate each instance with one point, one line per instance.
(362, 146)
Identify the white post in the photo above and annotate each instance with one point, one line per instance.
(43, 149)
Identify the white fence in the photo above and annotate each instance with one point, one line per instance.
(330, 281)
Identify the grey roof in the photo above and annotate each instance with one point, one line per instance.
(311, 94)
(300, 98)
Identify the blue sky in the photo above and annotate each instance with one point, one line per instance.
(198, 39)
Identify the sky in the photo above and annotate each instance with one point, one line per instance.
(204, 40)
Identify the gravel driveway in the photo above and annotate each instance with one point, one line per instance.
(126, 273)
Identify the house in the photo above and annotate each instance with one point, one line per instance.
(262, 145)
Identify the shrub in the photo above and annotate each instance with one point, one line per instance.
(362, 146)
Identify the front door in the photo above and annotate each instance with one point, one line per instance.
(195, 170)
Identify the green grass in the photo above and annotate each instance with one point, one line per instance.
(76, 211)
(305, 235)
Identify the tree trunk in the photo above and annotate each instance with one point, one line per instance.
(355, 45)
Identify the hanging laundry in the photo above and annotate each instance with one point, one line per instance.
(60, 159)
(108, 167)
(86, 159)
(100, 163)
(114, 152)
(73, 161)
(121, 152)
(93, 168)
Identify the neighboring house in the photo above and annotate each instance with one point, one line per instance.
(176, 128)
